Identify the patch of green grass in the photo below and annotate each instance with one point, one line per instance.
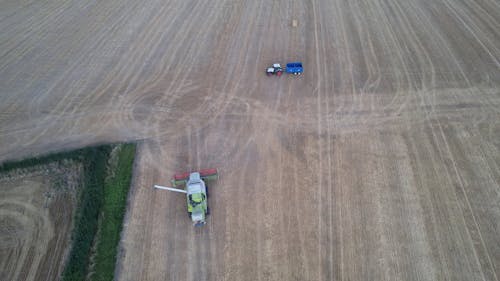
(116, 189)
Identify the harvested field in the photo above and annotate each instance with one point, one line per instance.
(35, 228)
(380, 162)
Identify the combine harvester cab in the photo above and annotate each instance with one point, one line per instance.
(295, 68)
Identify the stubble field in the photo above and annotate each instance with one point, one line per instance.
(380, 162)
(36, 221)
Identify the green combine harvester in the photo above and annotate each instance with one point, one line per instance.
(196, 192)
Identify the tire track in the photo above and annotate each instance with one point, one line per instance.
(370, 153)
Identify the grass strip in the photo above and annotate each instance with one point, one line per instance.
(116, 189)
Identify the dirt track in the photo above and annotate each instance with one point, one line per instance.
(381, 162)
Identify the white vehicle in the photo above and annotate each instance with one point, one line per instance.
(275, 69)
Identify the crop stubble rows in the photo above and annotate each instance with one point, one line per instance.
(381, 162)
(35, 221)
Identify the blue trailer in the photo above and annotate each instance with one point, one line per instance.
(294, 67)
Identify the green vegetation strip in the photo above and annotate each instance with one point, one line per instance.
(103, 196)
(42, 160)
(87, 214)
(116, 189)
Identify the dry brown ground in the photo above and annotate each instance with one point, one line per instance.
(381, 162)
(35, 225)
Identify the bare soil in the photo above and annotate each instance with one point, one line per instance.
(380, 162)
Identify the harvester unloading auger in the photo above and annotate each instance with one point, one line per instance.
(196, 192)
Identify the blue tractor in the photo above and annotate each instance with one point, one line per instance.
(295, 68)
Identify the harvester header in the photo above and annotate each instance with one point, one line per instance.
(206, 174)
